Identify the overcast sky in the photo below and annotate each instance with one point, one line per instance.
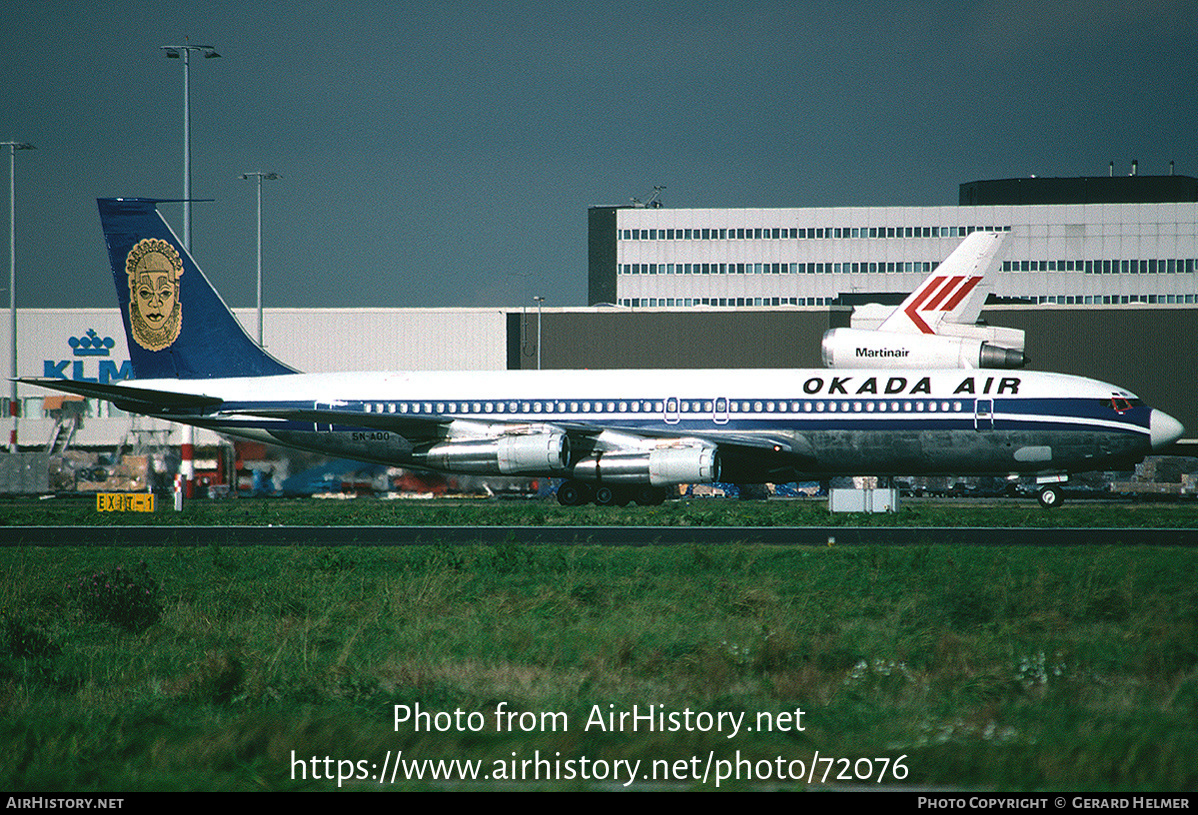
(445, 154)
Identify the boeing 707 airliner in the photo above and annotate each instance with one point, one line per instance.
(613, 436)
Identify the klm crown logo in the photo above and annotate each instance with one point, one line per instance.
(91, 345)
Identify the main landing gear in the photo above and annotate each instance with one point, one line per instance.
(575, 493)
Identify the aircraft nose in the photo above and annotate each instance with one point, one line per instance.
(1163, 429)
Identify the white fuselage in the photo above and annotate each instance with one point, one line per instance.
(804, 421)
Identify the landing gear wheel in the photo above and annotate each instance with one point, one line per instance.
(573, 494)
(1051, 496)
(605, 496)
(647, 496)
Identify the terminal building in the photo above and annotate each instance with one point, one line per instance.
(1084, 241)
(1099, 272)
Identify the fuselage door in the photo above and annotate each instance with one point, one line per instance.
(720, 416)
(983, 414)
(671, 415)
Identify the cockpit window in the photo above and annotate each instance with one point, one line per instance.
(1120, 404)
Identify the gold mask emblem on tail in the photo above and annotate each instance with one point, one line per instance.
(155, 314)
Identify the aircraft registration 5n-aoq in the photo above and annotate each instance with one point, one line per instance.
(614, 436)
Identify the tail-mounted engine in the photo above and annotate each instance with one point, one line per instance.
(858, 348)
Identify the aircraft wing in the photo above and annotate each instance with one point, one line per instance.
(412, 428)
(130, 399)
(783, 448)
(773, 451)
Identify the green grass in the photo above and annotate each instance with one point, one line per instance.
(692, 512)
(1003, 668)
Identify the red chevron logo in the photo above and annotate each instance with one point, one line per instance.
(934, 294)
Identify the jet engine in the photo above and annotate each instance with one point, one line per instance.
(527, 454)
(858, 348)
(659, 467)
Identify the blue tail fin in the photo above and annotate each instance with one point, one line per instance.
(176, 324)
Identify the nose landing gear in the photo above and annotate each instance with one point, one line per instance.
(1051, 496)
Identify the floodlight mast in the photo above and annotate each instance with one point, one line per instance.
(187, 466)
(14, 409)
(268, 177)
(173, 52)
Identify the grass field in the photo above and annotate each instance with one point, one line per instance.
(546, 512)
(246, 668)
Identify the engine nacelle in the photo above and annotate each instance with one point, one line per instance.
(682, 465)
(527, 454)
(855, 348)
(660, 467)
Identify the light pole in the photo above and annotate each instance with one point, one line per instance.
(187, 464)
(173, 52)
(13, 405)
(539, 300)
(269, 177)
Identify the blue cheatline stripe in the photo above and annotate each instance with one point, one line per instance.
(1009, 414)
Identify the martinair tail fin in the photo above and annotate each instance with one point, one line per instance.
(176, 325)
(952, 293)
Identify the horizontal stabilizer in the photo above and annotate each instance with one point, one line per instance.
(130, 399)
